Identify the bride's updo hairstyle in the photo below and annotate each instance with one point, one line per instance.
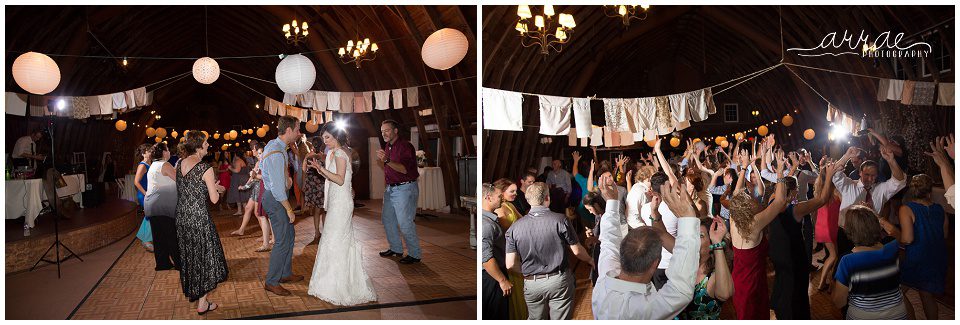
(338, 134)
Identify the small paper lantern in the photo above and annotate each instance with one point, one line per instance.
(261, 132)
(787, 120)
(236, 144)
(157, 139)
(161, 133)
(120, 125)
(216, 135)
(174, 134)
(724, 143)
(206, 70)
(250, 131)
(718, 140)
(151, 132)
(266, 127)
(739, 135)
(674, 142)
(224, 147)
(233, 134)
(444, 49)
(809, 134)
(762, 130)
(312, 127)
(295, 74)
(36, 73)
(696, 140)
(205, 134)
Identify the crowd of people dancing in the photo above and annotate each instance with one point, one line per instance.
(677, 237)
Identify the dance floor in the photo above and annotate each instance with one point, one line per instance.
(442, 286)
(820, 304)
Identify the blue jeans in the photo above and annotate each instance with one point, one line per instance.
(283, 234)
(399, 209)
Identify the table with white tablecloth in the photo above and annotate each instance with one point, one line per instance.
(24, 197)
(432, 194)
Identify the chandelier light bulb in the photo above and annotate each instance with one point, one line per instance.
(349, 44)
(645, 7)
(296, 30)
(342, 51)
(124, 61)
(622, 10)
(520, 28)
(305, 33)
(304, 26)
(294, 23)
(374, 47)
(366, 41)
(286, 27)
(524, 12)
(538, 21)
(548, 10)
(356, 53)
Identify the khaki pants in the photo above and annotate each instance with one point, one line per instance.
(553, 294)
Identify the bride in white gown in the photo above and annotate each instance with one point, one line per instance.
(338, 274)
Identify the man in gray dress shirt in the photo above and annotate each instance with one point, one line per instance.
(496, 285)
(536, 247)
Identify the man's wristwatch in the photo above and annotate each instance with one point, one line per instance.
(386, 161)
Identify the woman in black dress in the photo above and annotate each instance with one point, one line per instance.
(204, 265)
(790, 299)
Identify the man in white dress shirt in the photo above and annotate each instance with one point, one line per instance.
(25, 150)
(627, 264)
(865, 191)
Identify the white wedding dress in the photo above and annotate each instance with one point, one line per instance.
(338, 274)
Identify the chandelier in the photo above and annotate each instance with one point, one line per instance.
(543, 34)
(869, 50)
(298, 34)
(627, 12)
(363, 50)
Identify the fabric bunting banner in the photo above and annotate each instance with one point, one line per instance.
(920, 93)
(79, 107)
(627, 119)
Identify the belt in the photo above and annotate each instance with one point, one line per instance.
(542, 276)
(401, 183)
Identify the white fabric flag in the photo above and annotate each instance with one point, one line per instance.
(581, 116)
(320, 100)
(646, 118)
(698, 105)
(333, 100)
(596, 136)
(554, 115)
(383, 99)
(946, 94)
(119, 101)
(895, 92)
(614, 114)
(307, 99)
(397, 98)
(413, 97)
(16, 104)
(289, 99)
(502, 110)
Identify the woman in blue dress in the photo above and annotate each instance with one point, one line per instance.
(924, 231)
(145, 234)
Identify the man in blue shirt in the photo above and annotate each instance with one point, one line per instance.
(276, 182)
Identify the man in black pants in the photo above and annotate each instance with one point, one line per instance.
(496, 286)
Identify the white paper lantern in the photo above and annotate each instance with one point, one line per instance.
(36, 73)
(206, 70)
(295, 74)
(444, 48)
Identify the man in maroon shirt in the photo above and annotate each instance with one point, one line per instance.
(400, 197)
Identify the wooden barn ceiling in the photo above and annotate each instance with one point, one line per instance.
(683, 48)
(230, 31)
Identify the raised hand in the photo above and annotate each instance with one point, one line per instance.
(677, 200)
(831, 169)
(630, 175)
(794, 159)
(608, 192)
(717, 230)
(948, 146)
(852, 151)
(886, 153)
(576, 156)
(937, 153)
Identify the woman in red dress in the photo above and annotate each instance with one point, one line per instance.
(224, 173)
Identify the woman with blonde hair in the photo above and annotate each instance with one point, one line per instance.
(507, 216)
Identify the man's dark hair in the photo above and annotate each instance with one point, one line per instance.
(595, 200)
(868, 163)
(286, 122)
(658, 179)
(392, 123)
(639, 249)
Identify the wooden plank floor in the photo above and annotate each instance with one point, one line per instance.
(133, 290)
